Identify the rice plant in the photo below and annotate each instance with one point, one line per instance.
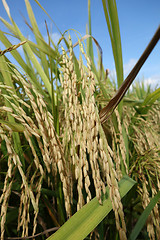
(57, 158)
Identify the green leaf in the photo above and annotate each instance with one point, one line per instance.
(15, 127)
(89, 40)
(87, 218)
(111, 15)
(142, 220)
(110, 11)
(152, 97)
(91, 54)
(29, 51)
(38, 37)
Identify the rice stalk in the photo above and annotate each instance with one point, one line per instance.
(112, 182)
(51, 148)
(7, 185)
(38, 190)
(73, 121)
(31, 129)
(81, 112)
(81, 130)
(13, 47)
(121, 142)
(23, 217)
(81, 152)
(14, 161)
(146, 167)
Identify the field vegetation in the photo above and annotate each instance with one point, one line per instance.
(61, 155)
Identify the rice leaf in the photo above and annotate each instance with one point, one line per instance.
(88, 217)
(15, 127)
(30, 53)
(38, 37)
(142, 220)
(152, 97)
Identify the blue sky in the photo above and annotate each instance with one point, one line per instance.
(138, 20)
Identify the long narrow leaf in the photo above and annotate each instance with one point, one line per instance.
(111, 15)
(29, 52)
(91, 55)
(86, 219)
(152, 97)
(38, 37)
(15, 127)
(89, 40)
(142, 220)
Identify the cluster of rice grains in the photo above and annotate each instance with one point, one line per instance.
(51, 151)
(82, 154)
(84, 138)
(146, 163)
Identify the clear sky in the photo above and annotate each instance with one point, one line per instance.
(138, 20)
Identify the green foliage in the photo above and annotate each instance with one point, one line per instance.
(143, 218)
(111, 15)
(88, 217)
(132, 137)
